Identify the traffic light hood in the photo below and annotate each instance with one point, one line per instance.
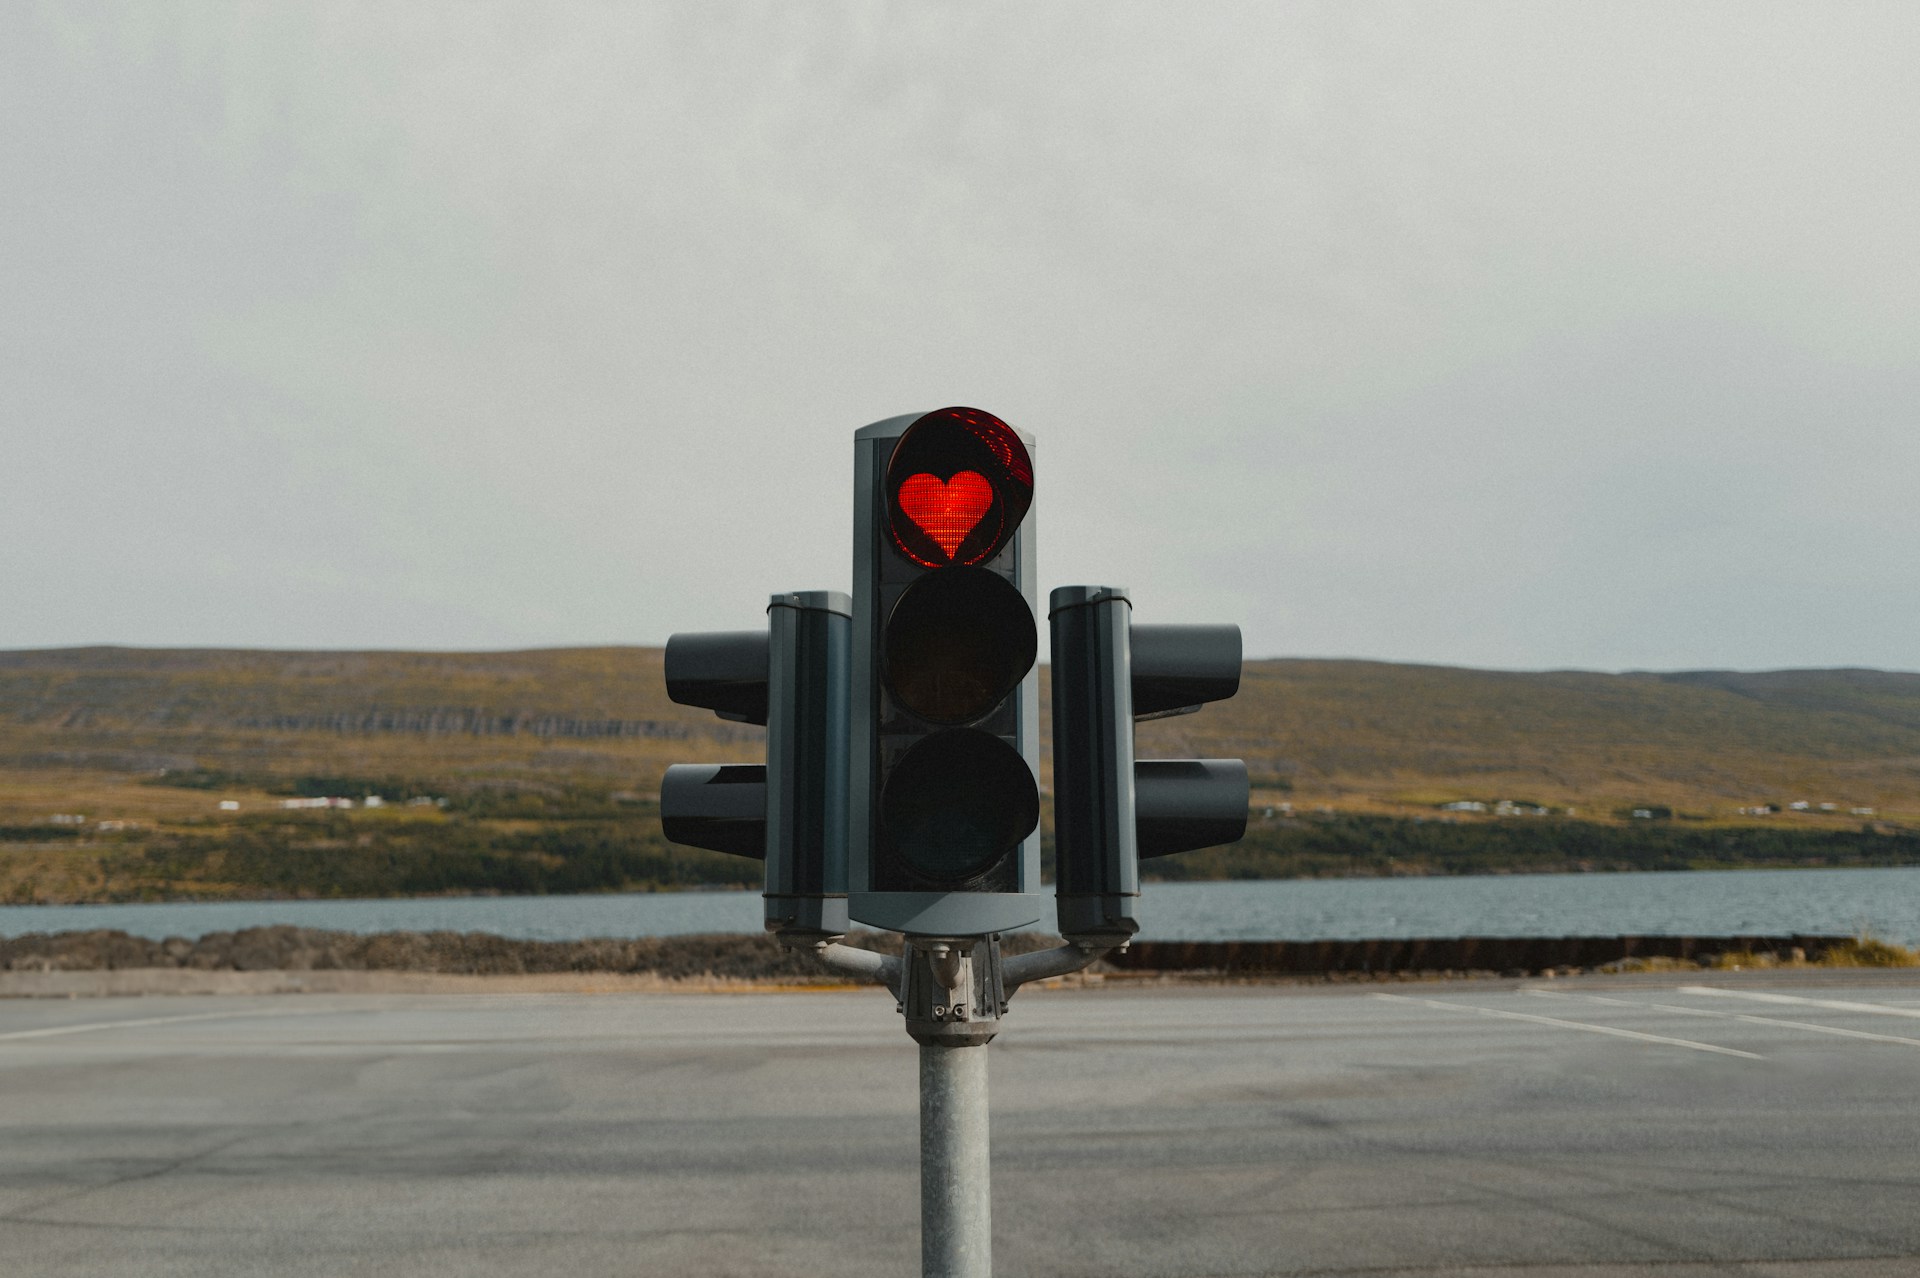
(958, 484)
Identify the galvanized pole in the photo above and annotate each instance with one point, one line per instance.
(953, 991)
(950, 990)
(956, 1196)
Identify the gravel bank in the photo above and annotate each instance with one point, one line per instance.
(710, 958)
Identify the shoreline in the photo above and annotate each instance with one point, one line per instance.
(177, 983)
(303, 960)
(1558, 869)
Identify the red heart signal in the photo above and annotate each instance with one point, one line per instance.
(946, 510)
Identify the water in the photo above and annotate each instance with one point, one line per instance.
(1885, 902)
(539, 918)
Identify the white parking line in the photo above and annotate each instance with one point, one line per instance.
(88, 1027)
(1736, 1016)
(1834, 1004)
(1578, 1025)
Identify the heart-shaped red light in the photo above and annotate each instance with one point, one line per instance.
(946, 510)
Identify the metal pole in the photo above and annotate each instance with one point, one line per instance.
(956, 1199)
(952, 992)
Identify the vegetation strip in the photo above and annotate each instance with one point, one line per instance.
(759, 958)
(1516, 956)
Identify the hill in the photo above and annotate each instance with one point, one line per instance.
(1709, 742)
(536, 770)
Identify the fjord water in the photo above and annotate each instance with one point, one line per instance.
(1882, 902)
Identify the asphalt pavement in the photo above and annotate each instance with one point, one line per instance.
(1680, 1128)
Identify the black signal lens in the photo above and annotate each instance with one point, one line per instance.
(958, 484)
(957, 643)
(956, 803)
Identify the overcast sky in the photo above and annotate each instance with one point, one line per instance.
(1508, 335)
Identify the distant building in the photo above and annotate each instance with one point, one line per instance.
(229, 805)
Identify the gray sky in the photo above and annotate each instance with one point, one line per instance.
(1510, 335)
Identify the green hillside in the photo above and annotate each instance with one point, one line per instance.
(1708, 742)
(535, 771)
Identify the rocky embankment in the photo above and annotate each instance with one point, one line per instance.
(1491, 955)
(744, 958)
(720, 957)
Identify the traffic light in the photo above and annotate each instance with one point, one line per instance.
(944, 801)
(791, 812)
(1110, 809)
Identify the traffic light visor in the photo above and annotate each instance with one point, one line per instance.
(958, 484)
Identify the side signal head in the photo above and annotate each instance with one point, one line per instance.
(958, 485)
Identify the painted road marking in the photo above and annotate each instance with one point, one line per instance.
(1834, 1004)
(1736, 1016)
(88, 1027)
(1577, 1025)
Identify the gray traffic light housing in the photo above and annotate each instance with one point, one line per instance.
(943, 802)
(791, 812)
(1110, 809)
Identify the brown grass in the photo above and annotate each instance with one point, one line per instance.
(79, 728)
(1870, 952)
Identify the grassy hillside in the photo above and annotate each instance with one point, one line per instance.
(1395, 737)
(535, 771)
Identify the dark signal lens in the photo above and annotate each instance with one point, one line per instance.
(956, 803)
(958, 641)
(959, 482)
